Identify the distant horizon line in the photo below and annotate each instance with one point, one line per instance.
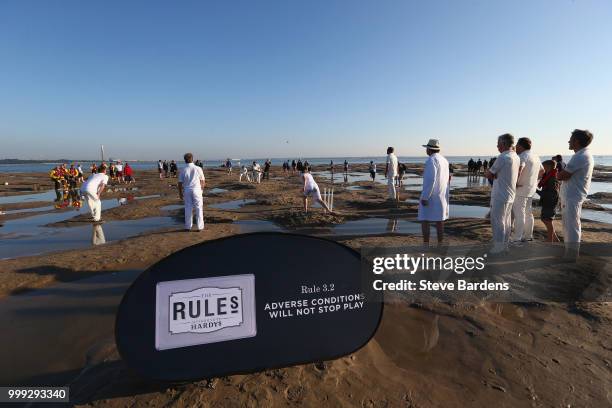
(61, 160)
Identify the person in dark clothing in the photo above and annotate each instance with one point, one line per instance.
(300, 166)
(401, 171)
(549, 197)
(491, 165)
(293, 166)
(267, 165)
(165, 169)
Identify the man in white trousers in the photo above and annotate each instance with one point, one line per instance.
(256, 172)
(92, 190)
(244, 172)
(191, 183)
(504, 174)
(433, 205)
(576, 179)
(530, 170)
(391, 171)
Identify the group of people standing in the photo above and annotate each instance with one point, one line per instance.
(517, 174)
(167, 169)
(478, 166)
(256, 172)
(121, 173)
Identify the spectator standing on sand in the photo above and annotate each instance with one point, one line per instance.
(160, 168)
(300, 166)
(293, 166)
(560, 163)
(129, 174)
(81, 174)
(173, 169)
(56, 176)
(433, 204)
(504, 174)
(391, 173)
(267, 165)
(228, 166)
(530, 170)
(165, 167)
(372, 170)
(94, 168)
(73, 177)
(92, 190)
(119, 168)
(400, 174)
(112, 172)
(191, 182)
(549, 198)
(331, 166)
(576, 179)
(346, 167)
(311, 189)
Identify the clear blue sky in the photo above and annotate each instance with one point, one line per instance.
(153, 79)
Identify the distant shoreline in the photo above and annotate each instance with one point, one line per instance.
(54, 161)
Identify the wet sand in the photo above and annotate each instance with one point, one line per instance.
(424, 355)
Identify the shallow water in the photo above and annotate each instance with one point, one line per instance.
(24, 198)
(599, 216)
(467, 211)
(232, 205)
(372, 226)
(460, 210)
(217, 190)
(247, 226)
(29, 210)
(33, 239)
(172, 207)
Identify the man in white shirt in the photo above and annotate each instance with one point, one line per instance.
(311, 189)
(530, 170)
(244, 172)
(119, 169)
(433, 205)
(391, 172)
(160, 168)
(92, 190)
(576, 179)
(191, 183)
(504, 174)
(256, 172)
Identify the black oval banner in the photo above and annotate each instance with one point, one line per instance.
(246, 303)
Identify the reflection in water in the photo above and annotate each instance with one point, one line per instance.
(476, 181)
(392, 225)
(97, 236)
(68, 198)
